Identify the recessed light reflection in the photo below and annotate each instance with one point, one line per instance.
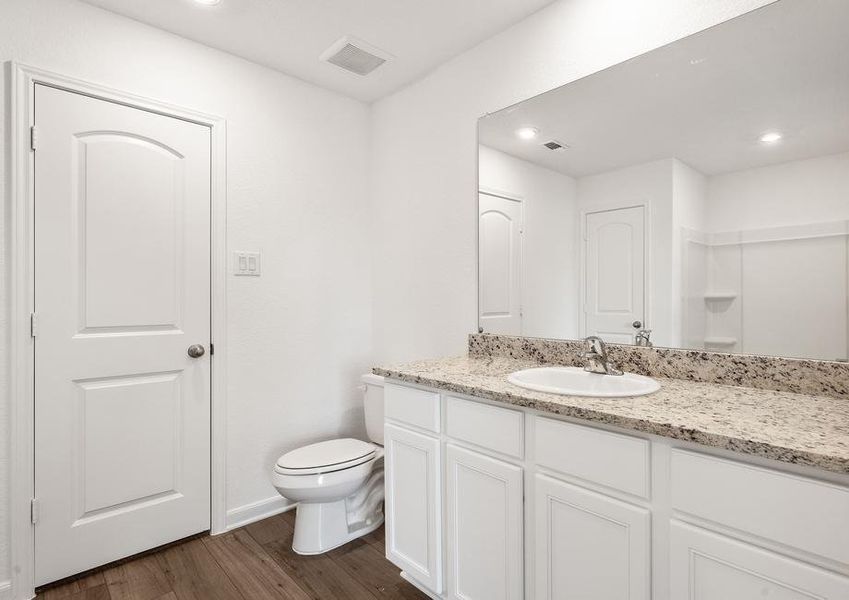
(770, 138)
(527, 133)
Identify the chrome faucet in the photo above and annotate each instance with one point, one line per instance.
(643, 338)
(596, 357)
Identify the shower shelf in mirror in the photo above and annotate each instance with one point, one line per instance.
(720, 296)
(720, 341)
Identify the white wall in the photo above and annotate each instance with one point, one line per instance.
(792, 193)
(649, 184)
(550, 244)
(299, 336)
(424, 153)
(675, 198)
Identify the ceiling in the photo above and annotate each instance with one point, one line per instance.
(705, 100)
(289, 35)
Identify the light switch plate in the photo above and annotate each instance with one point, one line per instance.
(247, 263)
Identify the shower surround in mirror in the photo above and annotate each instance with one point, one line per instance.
(700, 191)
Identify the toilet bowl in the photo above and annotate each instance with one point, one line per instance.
(338, 484)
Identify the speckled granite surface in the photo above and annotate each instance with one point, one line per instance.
(763, 372)
(810, 430)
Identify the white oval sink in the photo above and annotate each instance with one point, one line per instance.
(574, 381)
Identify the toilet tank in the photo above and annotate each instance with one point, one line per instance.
(373, 405)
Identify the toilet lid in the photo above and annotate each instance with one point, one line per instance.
(332, 455)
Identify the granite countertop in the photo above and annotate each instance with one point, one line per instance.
(793, 428)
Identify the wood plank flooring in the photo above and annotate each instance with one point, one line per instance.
(252, 563)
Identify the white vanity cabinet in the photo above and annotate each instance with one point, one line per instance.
(709, 566)
(413, 480)
(492, 502)
(762, 507)
(589, 546)
(462, 483)
(484, 515)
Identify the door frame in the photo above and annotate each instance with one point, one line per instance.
(647, 258)
(21, 279)
(489, 191)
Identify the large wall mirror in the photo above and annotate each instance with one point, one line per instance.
(700, 191)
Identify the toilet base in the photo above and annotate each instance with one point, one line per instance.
(313, 540)
(323, 526)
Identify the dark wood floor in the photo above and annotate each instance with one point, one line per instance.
(254, 562)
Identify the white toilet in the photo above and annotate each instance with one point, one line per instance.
(338, 484)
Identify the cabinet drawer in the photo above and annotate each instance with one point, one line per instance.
(803, 513)
(617, 461)
(499, 429)
(412, 406)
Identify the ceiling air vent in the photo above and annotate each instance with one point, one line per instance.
(555, 145)
(355, 56)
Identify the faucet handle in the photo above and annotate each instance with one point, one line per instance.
(595, 342)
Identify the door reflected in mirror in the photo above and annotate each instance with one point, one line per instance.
(696, 196)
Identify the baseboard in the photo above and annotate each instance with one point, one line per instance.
(255, 511)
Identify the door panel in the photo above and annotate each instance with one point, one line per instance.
(413, 501)
(130, 243)
(708, 566)
(500, 261)
(485, 514)
(104, 407)
(589, 546)
(122, 414)
(615, 273)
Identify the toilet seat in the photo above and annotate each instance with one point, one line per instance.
(326, 457)
(337, 485)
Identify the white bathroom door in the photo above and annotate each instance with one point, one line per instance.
(499, 264)
(614, 283)
(122, 289)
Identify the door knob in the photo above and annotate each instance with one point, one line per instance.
(637, 324)
(196, 351)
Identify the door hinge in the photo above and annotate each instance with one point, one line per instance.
(33, 324)
(33, 137)
(34, 511)
(211, 348)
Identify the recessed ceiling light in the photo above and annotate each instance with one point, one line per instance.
(527, 133)
(771, 137)
(208, 2)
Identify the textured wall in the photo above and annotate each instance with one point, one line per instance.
(299, 336)
(549, 275)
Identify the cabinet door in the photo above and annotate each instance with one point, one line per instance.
(709, 566)
(484, 515)
(589, 546)
(413, 505)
